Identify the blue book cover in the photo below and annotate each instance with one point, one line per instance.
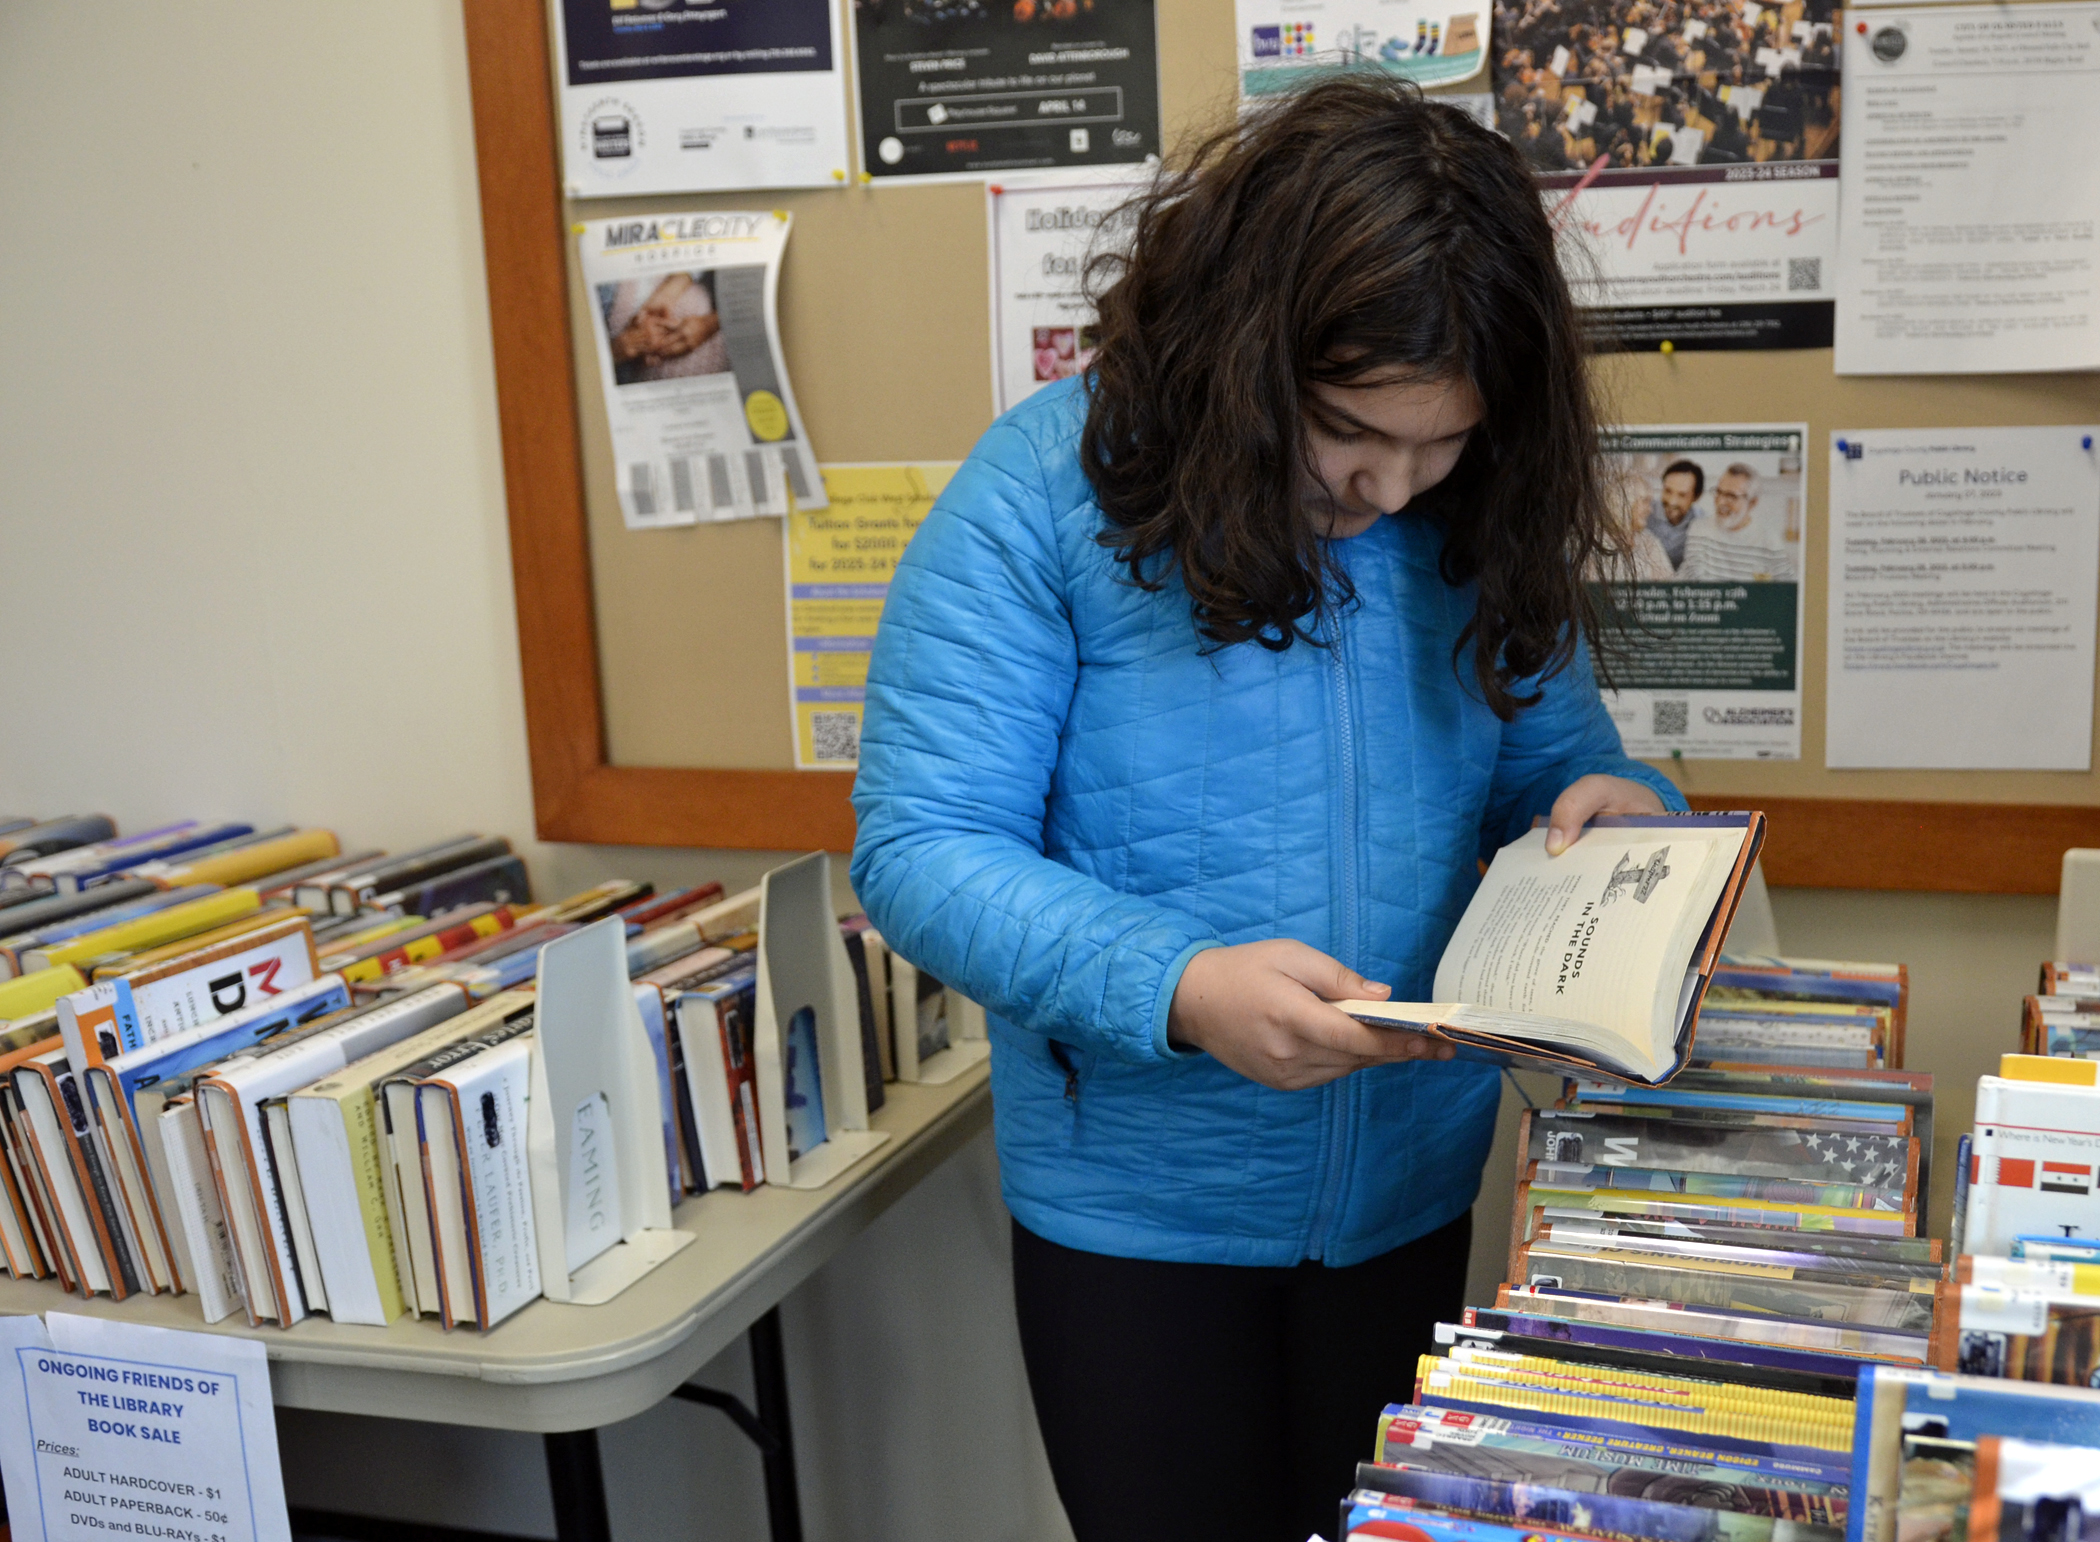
(200, 1046)
(805, 1086)
(1609, 1515)
(1368, 1514)
(173, 845)
(1666, 1448)
(649, 1001)
(1895, 1401)
(1670, 1097)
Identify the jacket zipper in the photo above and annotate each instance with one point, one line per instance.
(1339, 1097)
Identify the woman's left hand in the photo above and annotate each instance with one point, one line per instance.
(1594, 795)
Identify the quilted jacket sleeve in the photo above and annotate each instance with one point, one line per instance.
(968, 691)
(1567, 735)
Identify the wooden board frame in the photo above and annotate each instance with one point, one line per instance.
(1969, 848)
(576, 794)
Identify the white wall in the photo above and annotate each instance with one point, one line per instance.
(253, 553)
(254, 561)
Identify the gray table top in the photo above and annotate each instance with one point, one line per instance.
(558, 1367)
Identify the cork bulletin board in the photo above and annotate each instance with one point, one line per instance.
(655, 662)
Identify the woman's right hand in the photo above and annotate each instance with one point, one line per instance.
(1262, 1009)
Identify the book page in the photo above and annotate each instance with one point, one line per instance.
(1592, 934)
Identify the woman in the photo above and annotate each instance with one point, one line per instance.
(1196, 700)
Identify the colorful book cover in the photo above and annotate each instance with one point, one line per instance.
(805, 1085)
(1624, 1518)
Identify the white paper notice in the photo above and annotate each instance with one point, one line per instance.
(684, 311)
(1963, 565)
(1968, 202)
(112, 1427)
(1041, 237)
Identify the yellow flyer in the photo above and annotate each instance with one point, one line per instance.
(839, 562)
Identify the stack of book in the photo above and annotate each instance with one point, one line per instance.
(1939, 1458)
(1698, 1274)
(2027, 1224)
(290, 1079)
(2062, 1017)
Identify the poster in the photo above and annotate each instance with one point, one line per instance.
(1433, 42)
(684, 315)
(965, 87)
(690, 96)
(1968, 196)
(1705, 653)
(1713, 220)
(1963, 569)
(115, 1428)
(1041, 238)
(839, 561)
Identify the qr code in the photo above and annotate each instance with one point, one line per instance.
(1803, 273)
(1672, 717)
(835, 735)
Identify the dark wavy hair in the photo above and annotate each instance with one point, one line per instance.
(1350, 233)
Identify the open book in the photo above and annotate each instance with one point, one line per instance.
(1593, 961)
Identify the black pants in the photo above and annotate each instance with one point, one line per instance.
(1186, 1400)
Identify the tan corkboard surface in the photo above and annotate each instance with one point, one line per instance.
(884, 315)
(1796, 387)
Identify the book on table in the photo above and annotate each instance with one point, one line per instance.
(1595, 960)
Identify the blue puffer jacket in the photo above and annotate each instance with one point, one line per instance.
(1062, 798)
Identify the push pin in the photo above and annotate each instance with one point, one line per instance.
(2086, 443)
(1668, 346)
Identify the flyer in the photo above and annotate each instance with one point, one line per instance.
(1968, 212)
(1432, 42)
(114, 1427)
(964, 87)
(1703, 651)
(684, 313)
(1041, 237)
(839, 561)
(700, 96)
(1712, 221)
(1964, 564)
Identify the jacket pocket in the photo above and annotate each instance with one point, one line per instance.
(1077, 1066)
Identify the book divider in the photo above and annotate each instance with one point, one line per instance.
(600, 1189)
(806, 995)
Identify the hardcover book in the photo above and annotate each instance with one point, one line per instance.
(1595, 960)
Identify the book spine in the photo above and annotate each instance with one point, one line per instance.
(500, 880)
(423, 949)
(357, 1113)
(738, 1068)
(498, 1204)
(203, 1217)
(52, 1235)
(111, 1234)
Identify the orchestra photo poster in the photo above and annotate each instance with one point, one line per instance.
(1689, 149)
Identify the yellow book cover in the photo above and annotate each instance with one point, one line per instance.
(26, 995)
(149, 931)
(152, 958)
(245, 864)
(345, 942)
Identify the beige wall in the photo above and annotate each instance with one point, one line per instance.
(253, 560)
